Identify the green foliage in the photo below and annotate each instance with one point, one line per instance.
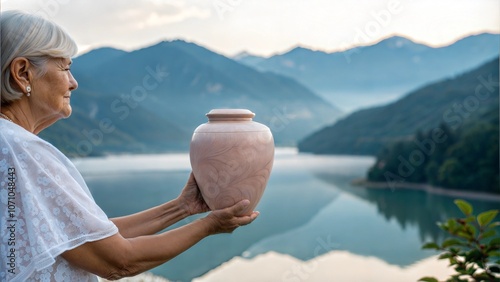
(475, 158)
(463, 159)
(472, 248)
(464, 206)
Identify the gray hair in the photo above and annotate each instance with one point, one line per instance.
(32, 37)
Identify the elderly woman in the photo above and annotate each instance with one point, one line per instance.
(52, 230)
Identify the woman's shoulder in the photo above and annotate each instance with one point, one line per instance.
(17, 139)
(12, 134)
(11, 131)
(29, 153)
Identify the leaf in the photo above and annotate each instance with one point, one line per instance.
(486, 217)
(450, 242)
(464, 206)
(471, 230)
(488, 233)
(430, 245)
(445, 256)
(493, 254)
(443, 226)
(452, 222)
(460, 268)
(474, 255)
(495, 241)
(453, 261)
(465, 235)
(471, 269)
(470, 219)
(480, 263)
(428, 279)
(494, 224)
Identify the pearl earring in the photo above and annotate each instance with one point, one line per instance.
(28, 89)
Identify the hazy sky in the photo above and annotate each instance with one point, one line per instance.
(264, 27)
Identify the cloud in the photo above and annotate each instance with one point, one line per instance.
(113, 15)
(265, 27)
(120, 24)
(156, 19)
(155, 14)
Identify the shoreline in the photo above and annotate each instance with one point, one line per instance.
(428, 188)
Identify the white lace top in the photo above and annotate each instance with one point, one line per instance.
(45, 209)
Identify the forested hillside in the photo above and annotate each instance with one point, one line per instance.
(453, 101)
(465, 158)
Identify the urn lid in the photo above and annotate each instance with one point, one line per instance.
(230, 114)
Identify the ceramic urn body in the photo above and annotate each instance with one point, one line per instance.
(231, 157)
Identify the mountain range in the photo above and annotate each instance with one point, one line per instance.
(152, 99)
(458, 102)
(372, 75)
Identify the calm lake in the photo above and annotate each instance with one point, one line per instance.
(308, 209)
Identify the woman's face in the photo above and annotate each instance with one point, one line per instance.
(51, 92)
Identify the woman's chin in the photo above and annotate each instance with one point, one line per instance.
(66, 111)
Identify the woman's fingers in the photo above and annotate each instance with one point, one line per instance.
(191, 199)
(239, 206)
(247, 219)
(227, 220)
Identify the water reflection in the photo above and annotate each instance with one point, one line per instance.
(308, 210)
(409, 207)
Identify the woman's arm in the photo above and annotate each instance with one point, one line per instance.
(158, 218)
(150, 221)
(116, 257)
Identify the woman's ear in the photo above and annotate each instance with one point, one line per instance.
(20, 70)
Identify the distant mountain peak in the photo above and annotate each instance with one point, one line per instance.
(103, 50)
(173, 42)
(400, 42)
(299, 49)
(244, 54)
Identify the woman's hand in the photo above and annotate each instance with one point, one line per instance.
(220, 221)
(191, 199)
(227, 220)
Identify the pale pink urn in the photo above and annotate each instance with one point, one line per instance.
(232, 157)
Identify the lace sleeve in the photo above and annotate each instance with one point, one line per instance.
(46, 207)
